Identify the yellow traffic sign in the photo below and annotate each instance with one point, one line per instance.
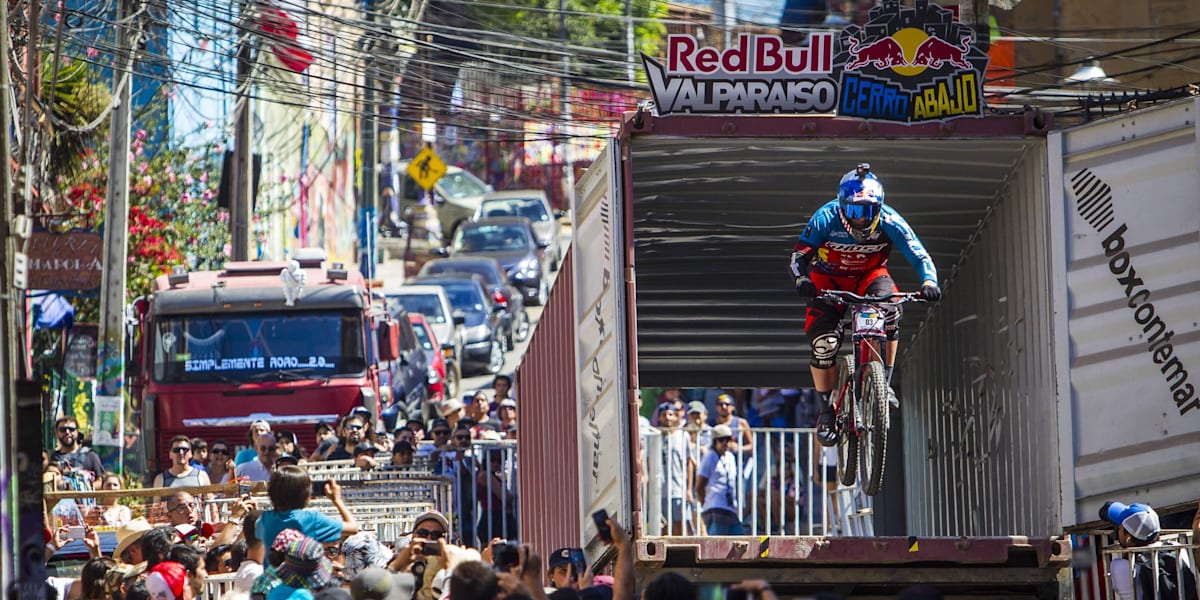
(426, 168)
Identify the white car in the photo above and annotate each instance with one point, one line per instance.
(431, 301)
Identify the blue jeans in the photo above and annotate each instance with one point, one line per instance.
(722, 522)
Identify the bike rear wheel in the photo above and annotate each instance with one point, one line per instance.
(875, 422)
(843, 398)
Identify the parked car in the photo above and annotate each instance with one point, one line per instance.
(503, 291)
(431, 301)
(511, 241)
(68, 561)
(533, 205)
(484, 349)
(408, 376)
(444, 373)
(456, 195)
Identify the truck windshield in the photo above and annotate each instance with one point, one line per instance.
(239, 347)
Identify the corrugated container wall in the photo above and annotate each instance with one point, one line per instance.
(978, 397)
(546, 391)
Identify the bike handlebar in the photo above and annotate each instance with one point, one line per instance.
(888, 298)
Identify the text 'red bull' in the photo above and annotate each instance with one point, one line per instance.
(752, 55)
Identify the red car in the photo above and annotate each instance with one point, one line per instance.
(443, 377)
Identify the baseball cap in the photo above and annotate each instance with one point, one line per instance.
(402, 446)
(562, 556)
(261, 422)
(666, 406)
(285, 538)
(721, 431)
(1139, 520)
(434, 515)
(696, 406)
(438, 422)
(286, 459)
(508, 403)
(376, 583)
(365, 448)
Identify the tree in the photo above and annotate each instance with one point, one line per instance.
(77, 102)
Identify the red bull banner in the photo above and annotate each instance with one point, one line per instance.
(910, 64)
(906, 64)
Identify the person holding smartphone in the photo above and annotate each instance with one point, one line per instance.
(423, 554)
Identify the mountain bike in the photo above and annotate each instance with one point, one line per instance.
(860, 393)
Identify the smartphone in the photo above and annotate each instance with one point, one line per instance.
(76, 532)
(506, 555)
(318, 490)
(432, 548)
(600, 517)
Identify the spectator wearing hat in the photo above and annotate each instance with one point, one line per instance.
(354, 432)
(1138, 527)
(402, 454)
(374, 583)
(716, 486)
(565, 567)
(507, 412)
(290, 444)
(305, 570)
(246, 455)
(364, 456)
(326, 440)
(260, 469)
(286, 459)
(181, 473)
(743, 441)
(361, 551)
(168, 581)
(678, 467)
(452, 410)
(430, 526)
(439, 435)
(129, 541)
(699, 431)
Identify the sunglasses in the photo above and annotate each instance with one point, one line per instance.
(67, 429)
(861, 211)
(181, 449)
(724, 404)
(433, 535)
(269, 448)
(462, 437)
(224, 451)
(354, 427)
(441, 432)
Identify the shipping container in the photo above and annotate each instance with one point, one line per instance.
(1052, 376)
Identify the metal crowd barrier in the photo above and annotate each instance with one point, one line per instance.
(216, 586)
(1120, 565)
(490, 512)
(787, 485)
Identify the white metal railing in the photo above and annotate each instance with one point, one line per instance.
(484, 488)
(216, 586)
(787, 485)
(1121, 566)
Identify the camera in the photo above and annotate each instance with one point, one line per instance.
(506, 555)
(431, 548)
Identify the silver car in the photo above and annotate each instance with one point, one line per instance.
(533, 205)
(431, 301)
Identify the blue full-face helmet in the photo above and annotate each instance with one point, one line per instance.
(860, 196)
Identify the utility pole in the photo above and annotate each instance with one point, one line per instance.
(629, 54)
(241, 204)
(8, 309)
(110, 351)
(564, 89)
(367, 133)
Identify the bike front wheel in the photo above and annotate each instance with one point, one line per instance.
(847, 437)
(875, 427)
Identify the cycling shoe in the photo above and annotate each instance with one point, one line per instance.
(826, 431)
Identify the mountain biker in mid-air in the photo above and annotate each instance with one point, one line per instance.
(845, 246)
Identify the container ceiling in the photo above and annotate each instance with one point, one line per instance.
(715, 219)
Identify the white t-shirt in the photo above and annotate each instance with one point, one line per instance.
(246, 574)
(721, 472)
(254, 471)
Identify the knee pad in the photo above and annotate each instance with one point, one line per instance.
(825, 349)
(891, 321)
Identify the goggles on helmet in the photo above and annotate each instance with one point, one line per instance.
(861, 211)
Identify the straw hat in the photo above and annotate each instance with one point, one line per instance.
(129, 534)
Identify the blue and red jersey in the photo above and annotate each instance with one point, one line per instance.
(836, 252)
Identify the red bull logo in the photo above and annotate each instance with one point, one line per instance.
(926, 69)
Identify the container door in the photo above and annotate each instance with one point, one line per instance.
(601, 352)
(1124, 191)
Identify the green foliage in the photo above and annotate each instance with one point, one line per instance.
(77, 100)
(589, 23)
